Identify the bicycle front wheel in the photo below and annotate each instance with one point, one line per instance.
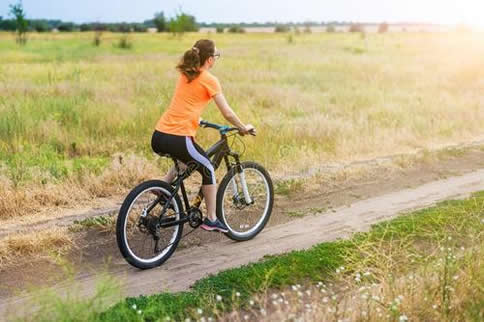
(245, 200)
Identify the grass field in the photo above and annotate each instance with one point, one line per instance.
(76, 120)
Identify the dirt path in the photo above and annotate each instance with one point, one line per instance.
(470, 156)
(188, 265)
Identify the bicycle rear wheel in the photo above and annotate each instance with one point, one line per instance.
(142, 242)
(245, 219)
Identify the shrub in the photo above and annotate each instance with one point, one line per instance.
(383, 28)
(281, 28)
(356, 27)
(220, 30)
(290, 39)
(307, 29)
(97, 38)
(125, 42)
(330, 28)
(236, 29)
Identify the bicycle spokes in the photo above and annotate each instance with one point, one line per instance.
(146, 238)
(245, 201)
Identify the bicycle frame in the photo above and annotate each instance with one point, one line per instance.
(217, 152)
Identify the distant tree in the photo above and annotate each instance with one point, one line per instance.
(66, 27)
(220, 29)
(86, 27)
(39, 25)
(160, 21)
(139, 27)
(307, 29)
(382, 28)
(182, 23)
(330, 28)
(8, 25)
(124, 27)
(22, 24)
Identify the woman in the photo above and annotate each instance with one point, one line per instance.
(176, 128)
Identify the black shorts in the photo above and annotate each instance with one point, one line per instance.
(185, 149)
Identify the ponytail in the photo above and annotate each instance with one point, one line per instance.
(195, 57)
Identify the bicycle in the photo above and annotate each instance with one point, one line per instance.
(244, 203)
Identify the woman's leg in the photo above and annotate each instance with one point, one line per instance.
(171, 174)
(210, 195)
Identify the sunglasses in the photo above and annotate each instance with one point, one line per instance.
(216, 55)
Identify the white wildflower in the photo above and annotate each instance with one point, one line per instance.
(219, 298)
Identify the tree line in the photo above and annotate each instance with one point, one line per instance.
(181, 22)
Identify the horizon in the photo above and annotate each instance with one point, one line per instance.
(373, 11)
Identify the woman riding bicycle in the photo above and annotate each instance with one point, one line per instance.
(175, 131)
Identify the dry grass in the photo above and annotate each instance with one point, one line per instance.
(51, 242)
(122, 174)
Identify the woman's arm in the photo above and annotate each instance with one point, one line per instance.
(230, 115)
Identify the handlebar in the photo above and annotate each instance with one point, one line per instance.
(223, 129)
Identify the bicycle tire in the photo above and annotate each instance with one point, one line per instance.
(121, 223)
(232, 234)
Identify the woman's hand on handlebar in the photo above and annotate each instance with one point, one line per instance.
(248, 129)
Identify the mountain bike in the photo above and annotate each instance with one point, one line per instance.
(151, 219)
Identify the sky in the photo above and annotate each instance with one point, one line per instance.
(431, 11)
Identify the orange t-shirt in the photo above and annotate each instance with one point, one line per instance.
(188, 103)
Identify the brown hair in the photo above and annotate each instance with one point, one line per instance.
(195, 57)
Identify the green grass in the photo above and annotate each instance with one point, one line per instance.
(100, 222)
(396, 244)
(288, 187)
